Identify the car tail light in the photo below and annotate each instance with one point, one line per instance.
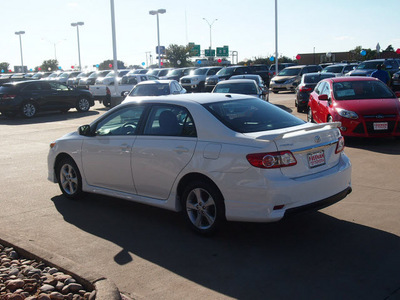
(340, 145)
(272, 160)
(108, 92)
(305, 89)
(8, 97)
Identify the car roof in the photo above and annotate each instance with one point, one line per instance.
(160, 81)
(189, 98)
(236, 81)
(351, 78)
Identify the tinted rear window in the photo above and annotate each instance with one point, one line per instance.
(252, 115)
(7, 88)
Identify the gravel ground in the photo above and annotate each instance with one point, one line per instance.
(27, 279)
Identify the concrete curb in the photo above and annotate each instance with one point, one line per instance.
(105, 289)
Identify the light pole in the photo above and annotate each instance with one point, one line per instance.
(20, 46)
(54, 44)
(210, 25)
(157, 12)
(77, 24)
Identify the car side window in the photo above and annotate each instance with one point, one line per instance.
(58, 87)
(122, 122)
(177, 87)
(212, 72)
(325, 90)
(169, 120)
(33, 87)
(319, 88)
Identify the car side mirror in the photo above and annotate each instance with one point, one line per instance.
(323, 97)
(85, 130)
(124, 94)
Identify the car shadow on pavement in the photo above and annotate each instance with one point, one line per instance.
(47, 117)
(308, 256)
(379, 145)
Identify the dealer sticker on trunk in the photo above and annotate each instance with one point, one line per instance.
(316, 159)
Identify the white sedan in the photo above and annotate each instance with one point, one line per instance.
(214, 157)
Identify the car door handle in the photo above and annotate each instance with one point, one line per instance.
(181, 149)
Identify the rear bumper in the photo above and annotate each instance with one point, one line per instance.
(319, 204)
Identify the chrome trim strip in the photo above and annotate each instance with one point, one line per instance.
(315, 148)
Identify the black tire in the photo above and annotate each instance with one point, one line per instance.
(69, 178)
(83, 104)
(107, 101)
(28, 109)
(275, 92)
(203, 207)
(309, 115)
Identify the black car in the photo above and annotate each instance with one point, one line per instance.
(306, 86)
(29, 97)
(396, 81)
(367, 67)
(177, 74)
(223, 74)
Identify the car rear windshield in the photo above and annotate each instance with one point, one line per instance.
(332, 69)
(359, 90)
(252, 115)
(247, 88)
(150, 90)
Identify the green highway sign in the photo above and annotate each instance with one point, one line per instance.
(194, 50)
(223, 51)
(209, 52)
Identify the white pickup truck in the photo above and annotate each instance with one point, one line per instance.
(104, 93)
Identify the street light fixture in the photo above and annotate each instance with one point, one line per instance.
(77, 24)
(157, 12)
(20, 46)
(210, 25)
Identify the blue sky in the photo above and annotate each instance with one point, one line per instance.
(245, 26)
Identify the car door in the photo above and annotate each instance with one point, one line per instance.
(60, 96)
(163, 150)
(323, 105)
(107, 156)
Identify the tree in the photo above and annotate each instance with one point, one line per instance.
(178, 56)
(105, 65)
(389, 48)
(49, 65)
(356, 54)
(4, 66)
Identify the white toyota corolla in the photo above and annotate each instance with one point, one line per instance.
(214, 157)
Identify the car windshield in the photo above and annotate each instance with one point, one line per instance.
(200, 72)
(64, 75)
(94, 75)
(360, 90)
(37, 76)
(252, 115)
(174, 72)
(53, 75)
(289, 72)
(315, 78)
(368, 65)
(156, 89)
(111, 74)
(332, 69)
(225, 71)
(247, 88)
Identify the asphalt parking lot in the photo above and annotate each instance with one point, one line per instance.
(347, 251)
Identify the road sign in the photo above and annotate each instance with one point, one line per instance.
(209, 52)
(161, 50)
(223, 51)
(195, 49)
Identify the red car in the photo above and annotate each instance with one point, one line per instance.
(365, 106)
